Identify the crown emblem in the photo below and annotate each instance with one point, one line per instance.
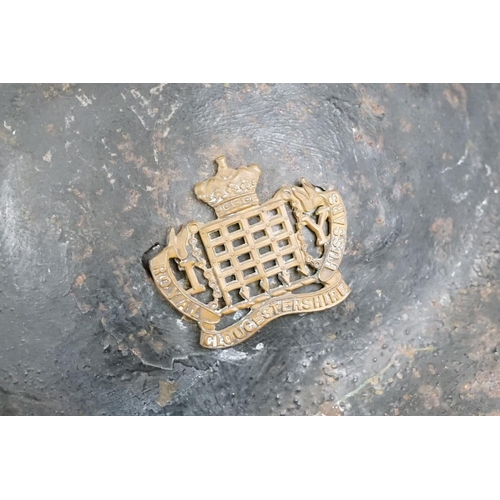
(230, 190)
(254, 259)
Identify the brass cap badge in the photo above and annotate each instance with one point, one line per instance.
(254, 263)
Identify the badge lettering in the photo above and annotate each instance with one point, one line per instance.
(253, 257)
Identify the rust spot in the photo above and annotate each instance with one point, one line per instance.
(369, 105)
(376, 321)
(263, 88)
(431, 396)
(350, 305)
(50, 129)
(50, 91)
(7, 138)
(80, 280)
(328, 409)
(167, 391)
(362, 181)
(82, 306)
(486, 382)
(120, 272)
(133, 198)
(405, 125)
(81, 221)
(410, 352)
(298, 110)
(128, 155)
(373, 142)
(487, 290)
(408, 188)
(443, 229)
(78, 193)
(456, 95)
(87, 252)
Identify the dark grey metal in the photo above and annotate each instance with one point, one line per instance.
(93, 175)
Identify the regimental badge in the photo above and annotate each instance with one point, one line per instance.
(254, 263)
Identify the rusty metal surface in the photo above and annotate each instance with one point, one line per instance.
(92, 175)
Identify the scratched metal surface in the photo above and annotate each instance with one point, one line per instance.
(92, 175)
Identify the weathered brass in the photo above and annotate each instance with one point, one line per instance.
(253, 258)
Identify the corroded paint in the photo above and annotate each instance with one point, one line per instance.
(417, 166)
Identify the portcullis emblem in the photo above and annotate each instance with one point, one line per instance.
(254, 263)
